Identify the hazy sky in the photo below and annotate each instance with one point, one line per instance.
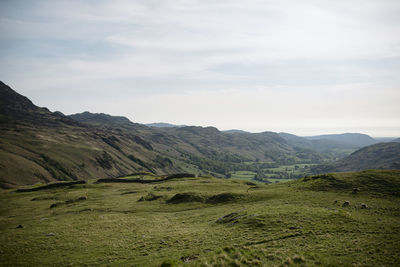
(305, 67)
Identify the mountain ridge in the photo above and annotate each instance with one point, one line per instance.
(37, 145)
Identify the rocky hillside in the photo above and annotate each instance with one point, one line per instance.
(37, 145)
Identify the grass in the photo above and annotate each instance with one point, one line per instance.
(287, 171)
(243, 175)
(299, 223)
(274, 180)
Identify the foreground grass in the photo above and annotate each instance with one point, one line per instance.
(218, 222)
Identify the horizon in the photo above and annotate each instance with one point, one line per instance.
(308, 68)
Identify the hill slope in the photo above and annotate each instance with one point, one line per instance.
(206, 222)
(378, 156)
(37, 145)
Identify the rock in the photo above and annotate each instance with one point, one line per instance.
(355, 190)
(346, 204)
(335, 202)
(189, 258)
(50, 234)
(364, 206)
(20, 226)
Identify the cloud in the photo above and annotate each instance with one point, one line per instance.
(158, 51)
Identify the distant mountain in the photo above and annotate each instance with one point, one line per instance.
(221, 147)
(396, 140)
(377, 156)
(331, 146)
(386, 139)
(329, 149)
(347, 139)
(164, 125)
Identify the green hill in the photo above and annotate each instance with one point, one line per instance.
(384, 182)
(378, 156)
(206, 221)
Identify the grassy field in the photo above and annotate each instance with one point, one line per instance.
(282, 173)
(273, 180)
(206, 222)
(243, 175)
(287, 171)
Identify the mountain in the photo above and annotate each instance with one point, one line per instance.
(386, 139)
(237, 147)
(331, 146)
(16, 109)
(37, 145)
(329, 149)
(100, 119)
(377, 156)
(164, 125)
(349, 140)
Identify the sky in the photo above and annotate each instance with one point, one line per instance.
(304, 67)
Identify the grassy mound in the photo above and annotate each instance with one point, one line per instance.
(385, 182)
(186, 197)
(224, 197)
(195, 197)
(69, 201)
(149, 197)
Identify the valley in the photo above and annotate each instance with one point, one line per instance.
(41, 146)
(187, 133)
(96, 189)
